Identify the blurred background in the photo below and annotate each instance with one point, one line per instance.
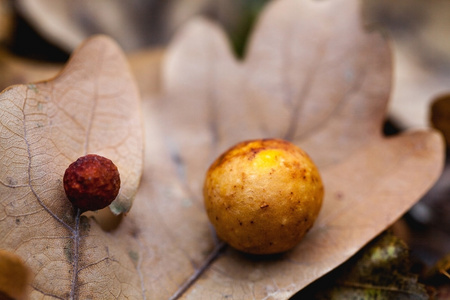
(37, 37)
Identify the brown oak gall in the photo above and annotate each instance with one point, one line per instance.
(92, 182)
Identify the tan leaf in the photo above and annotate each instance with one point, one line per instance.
(67, 23)
(92, 106)
(14, 276)
(146, 67)
(421, 51)
(17, 70)
(440, 116)
(6, 21)
(312, 75)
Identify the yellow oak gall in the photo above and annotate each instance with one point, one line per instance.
(262, 196)
(92, 182)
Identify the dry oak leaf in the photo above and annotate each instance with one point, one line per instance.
(92, 106)
(14, 276)
(17, 70)
(323, 85)
(67, 23)
(313, 74)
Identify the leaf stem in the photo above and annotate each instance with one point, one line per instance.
(191, 280)
(76, 244)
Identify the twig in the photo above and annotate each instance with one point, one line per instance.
(191, 280)
(76, 240)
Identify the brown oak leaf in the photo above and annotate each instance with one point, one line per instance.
(313, 75)
(92, 106)
(14, 277)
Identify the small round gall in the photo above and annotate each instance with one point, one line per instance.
(92, 182)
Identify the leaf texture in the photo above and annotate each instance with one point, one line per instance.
(313, 75)
(14, 277)
(92, 106)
